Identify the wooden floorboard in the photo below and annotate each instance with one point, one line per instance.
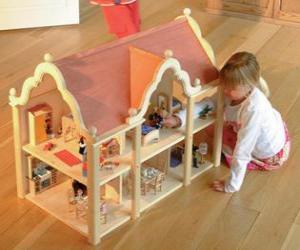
(263, 215)
(230, 229)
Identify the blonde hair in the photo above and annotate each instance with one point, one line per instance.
(242, 69)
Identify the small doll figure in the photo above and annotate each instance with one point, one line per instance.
(103, 212)
(82, 149)
(79, 189)
(155, 120)
(195, 158)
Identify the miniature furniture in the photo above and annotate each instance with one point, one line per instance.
(40, 123)
(144, 66)
(149, 134)
(110, 149)
(81, 206)
(41, 176)
(145, 185)
(156, 185)
(202, 152)
(103, 212)
(151, 178)
(176, 156)
(48, 146)
(71, 200)
(285, 10)
(69, 131)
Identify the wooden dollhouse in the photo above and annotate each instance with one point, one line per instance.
(105, 95)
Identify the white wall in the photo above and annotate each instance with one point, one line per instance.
(16, 14)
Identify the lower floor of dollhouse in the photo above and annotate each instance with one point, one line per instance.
(54, 200)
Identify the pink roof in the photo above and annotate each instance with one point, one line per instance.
(99, 78)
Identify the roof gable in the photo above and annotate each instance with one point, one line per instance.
(142, 69)
(100, 78)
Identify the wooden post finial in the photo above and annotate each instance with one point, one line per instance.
(12, 96)
(197, 82)
(48, 57)
(93, 131)
(187, 11)
(168, 53)
(132, 112)
(12, 92)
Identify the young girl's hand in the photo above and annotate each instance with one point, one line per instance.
(218, 185)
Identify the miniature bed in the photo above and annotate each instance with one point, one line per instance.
(103, 95)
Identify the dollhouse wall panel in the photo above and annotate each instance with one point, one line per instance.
(48, 84)
(54, 99)
(165, 87)
(159, 162)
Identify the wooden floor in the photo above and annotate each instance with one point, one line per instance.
(265, 214)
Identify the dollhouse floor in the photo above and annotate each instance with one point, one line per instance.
(170, 137)
(75, 171)
(178, 171)
(173, 181)
(55, 201)
(167, 139)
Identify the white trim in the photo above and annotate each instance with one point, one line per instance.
(19, 14)
(36, 79)
(182, 76)
(197, 31)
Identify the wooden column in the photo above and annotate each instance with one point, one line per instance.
(93, 188)
(218, 128)
(31, 182)
(20, 168)
(136, 172)
(188, 151)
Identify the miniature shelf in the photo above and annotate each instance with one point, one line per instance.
(178, 171)
(48, 157)
(75, 171)
(167, 138)
(55, 202)
(170, 137)
(200, 124)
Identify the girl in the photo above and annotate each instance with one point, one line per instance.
(254, 135)
(178, 120)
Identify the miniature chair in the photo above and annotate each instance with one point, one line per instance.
(71, 200)
(81, 208)
(145, 184)
(103, 212)
(157, 183)
(81, 204)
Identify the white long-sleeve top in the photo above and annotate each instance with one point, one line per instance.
(260, 134)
